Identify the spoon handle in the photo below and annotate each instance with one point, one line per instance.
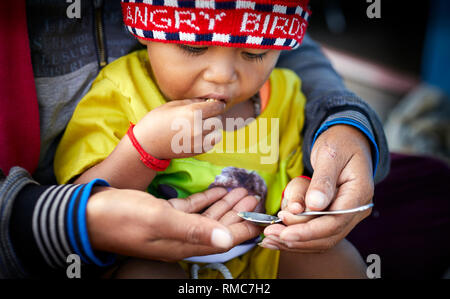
(358, 209)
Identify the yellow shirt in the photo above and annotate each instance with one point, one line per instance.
(124, 92)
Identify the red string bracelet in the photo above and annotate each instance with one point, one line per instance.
(146, 158)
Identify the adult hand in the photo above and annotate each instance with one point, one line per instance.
(135, 223)
(343, 176)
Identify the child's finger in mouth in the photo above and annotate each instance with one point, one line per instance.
(211, 107)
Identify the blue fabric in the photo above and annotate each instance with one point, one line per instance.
(70, 231)
(351, 122)
(85, 253)
(436, 58)
(83, 227)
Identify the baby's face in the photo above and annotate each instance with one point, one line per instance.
(232, 75)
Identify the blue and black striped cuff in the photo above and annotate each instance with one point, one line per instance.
(59, 225)
(48, 223)
(357, 120)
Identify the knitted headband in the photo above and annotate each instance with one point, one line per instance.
(264, 24)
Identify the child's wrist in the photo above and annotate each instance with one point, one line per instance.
(145, 138)
(151, 160)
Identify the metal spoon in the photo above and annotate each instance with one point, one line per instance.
(265, 219)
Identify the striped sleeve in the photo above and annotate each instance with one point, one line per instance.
(48, 224)
(77, 228)
(10, 186)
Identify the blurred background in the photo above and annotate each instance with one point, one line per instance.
(398, 61)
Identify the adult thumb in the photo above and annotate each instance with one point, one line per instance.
(322, 188)
(199, 230)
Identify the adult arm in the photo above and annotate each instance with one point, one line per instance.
(345, 150)
(41, 225)
(329, 102)
(169, 230)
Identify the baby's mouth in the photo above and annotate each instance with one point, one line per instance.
(215, 100)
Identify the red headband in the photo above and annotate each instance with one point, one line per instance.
(278, 24)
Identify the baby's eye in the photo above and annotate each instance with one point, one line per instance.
(254, 56)
(192, 50)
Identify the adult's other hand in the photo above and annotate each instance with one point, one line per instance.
(342, 179)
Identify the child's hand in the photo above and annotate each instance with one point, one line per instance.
(177, 129)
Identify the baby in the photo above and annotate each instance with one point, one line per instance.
(208, 106)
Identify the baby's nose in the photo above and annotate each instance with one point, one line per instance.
(221, 73)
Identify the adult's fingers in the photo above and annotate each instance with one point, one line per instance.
(199, 230)
(274, 241)
(246, 204)
(198, 201)
(274, 229)
(320, 227)
(194, 229)
(290, 219)
(324, 226)
(294, 195)
(217, 210)
(241, 232)
(300, 228)
(244, 231)
(316, 246)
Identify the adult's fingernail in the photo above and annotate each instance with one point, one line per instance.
(268, 246)
(289, 244)
(282, 215)
(317, 199)
(221, 238)
(295, 208)
(274, 238)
